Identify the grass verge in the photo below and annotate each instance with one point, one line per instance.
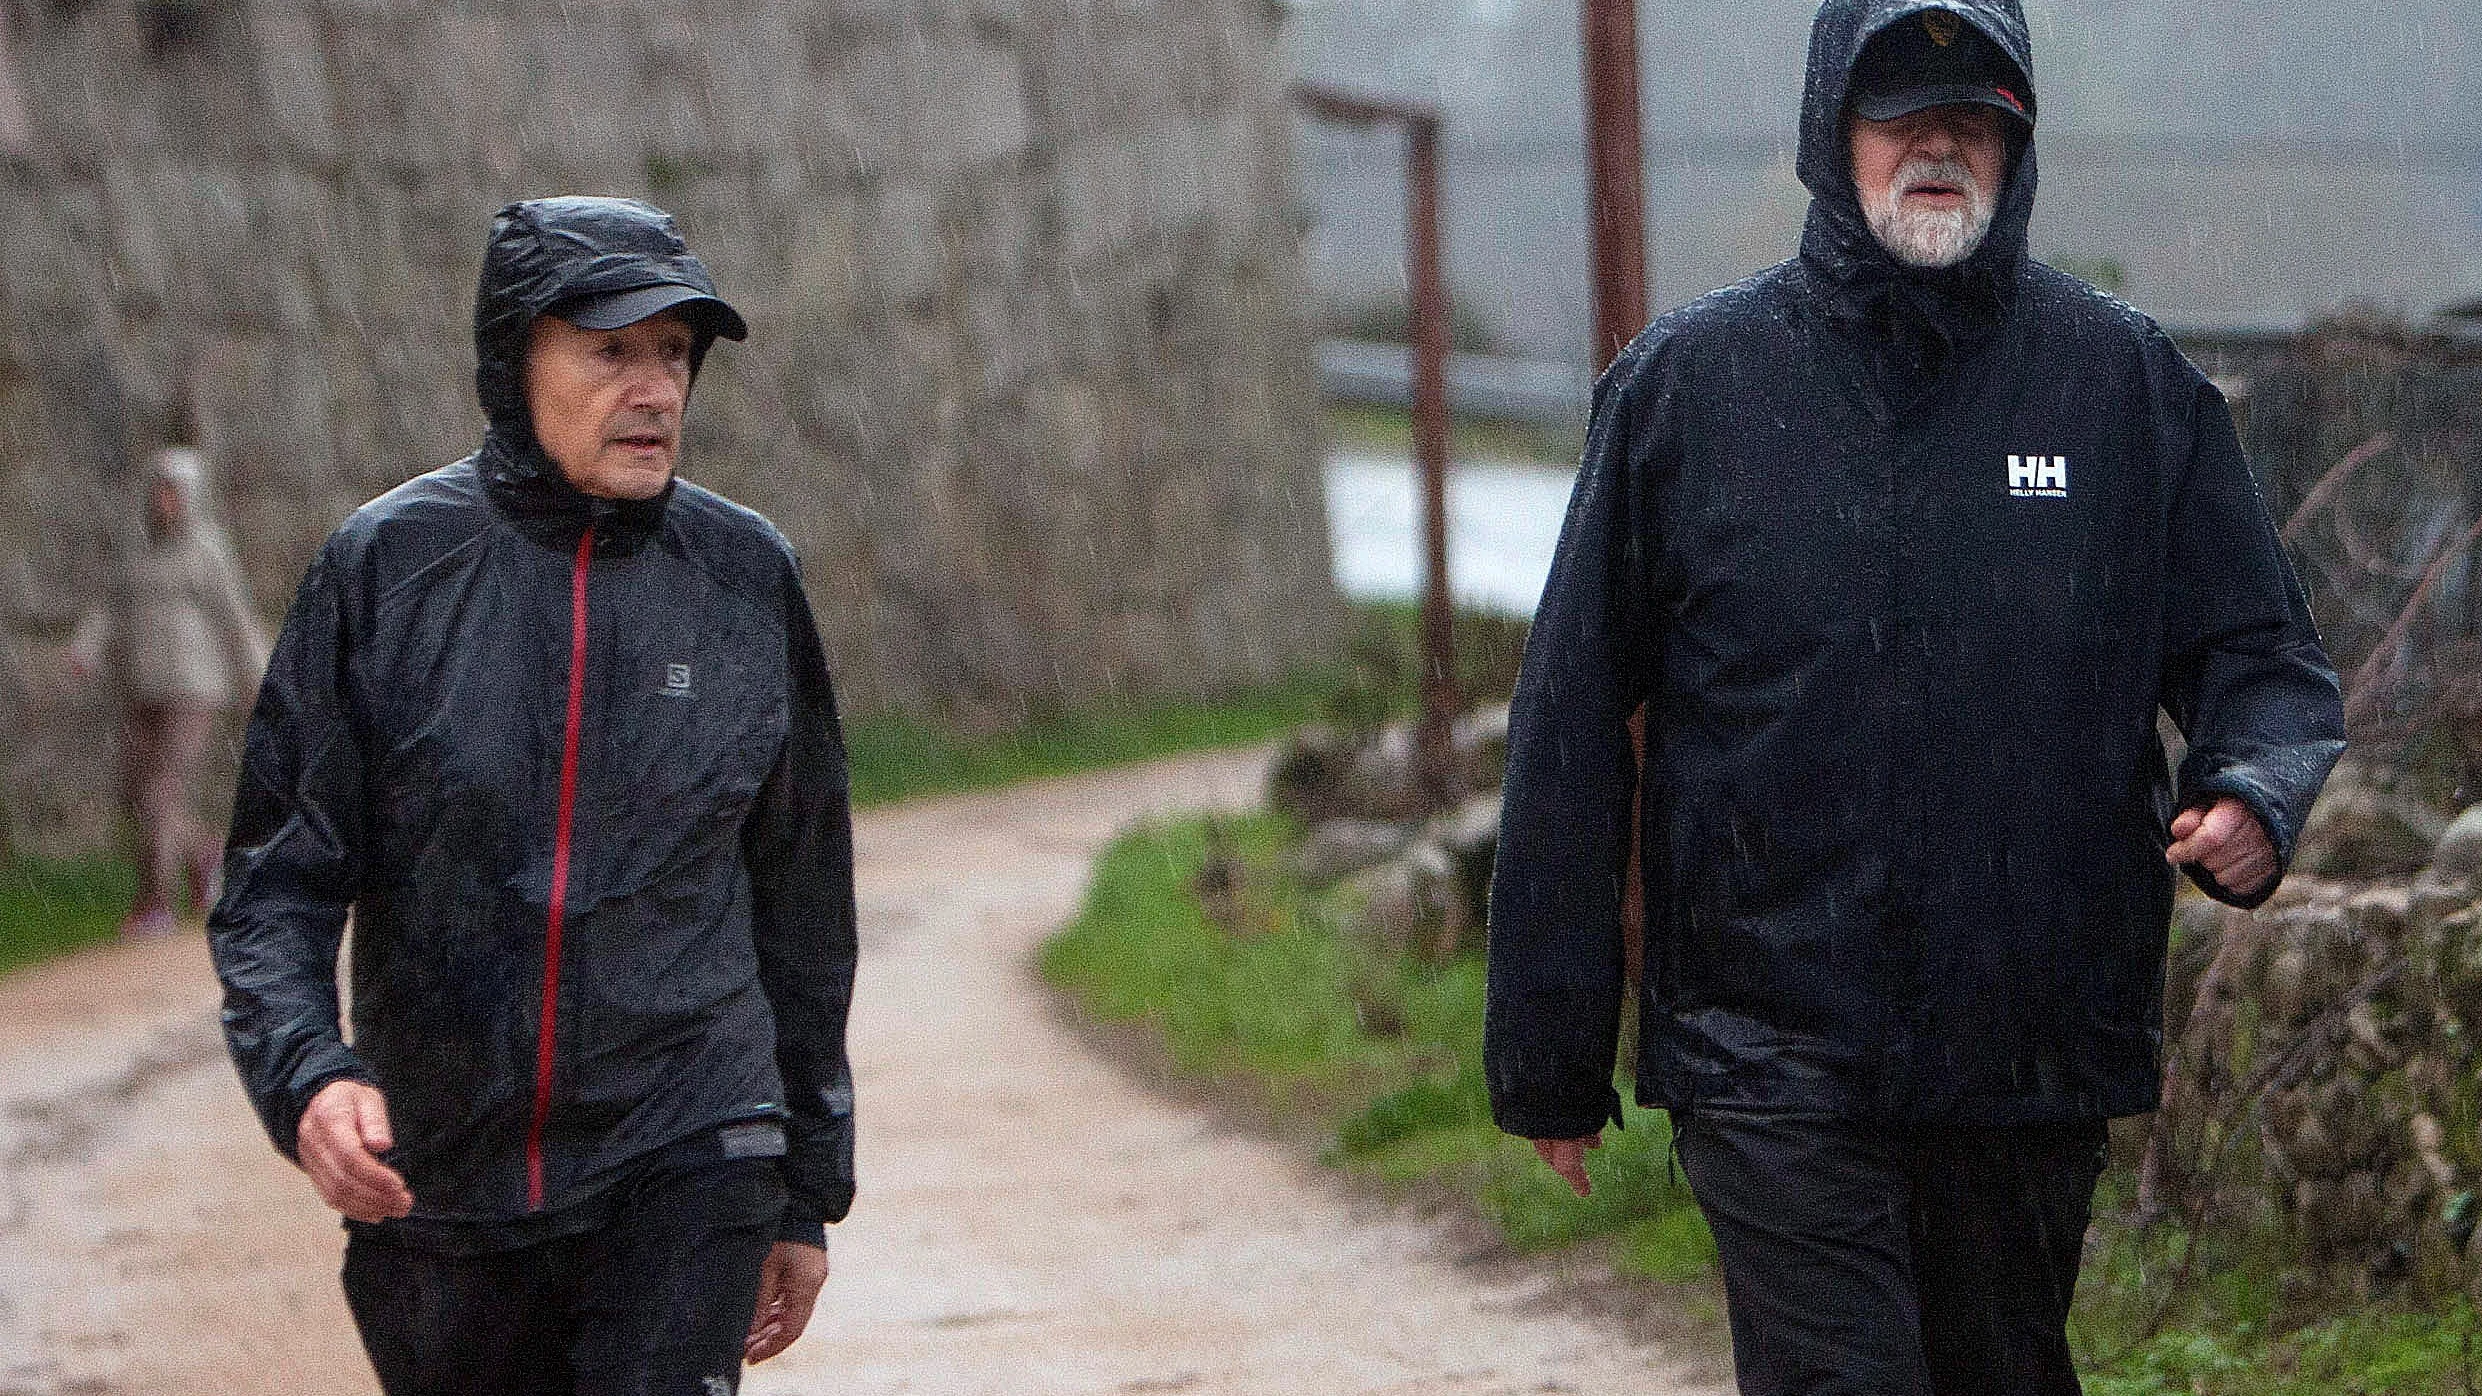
(1377, 678)
(1384, 1052)
(50, 908)
(2151, 1321)
(1381, 1054)
(2379, 1352)
(895, 757)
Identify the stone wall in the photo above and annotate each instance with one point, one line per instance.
(2319, 1087)
(1029, 384)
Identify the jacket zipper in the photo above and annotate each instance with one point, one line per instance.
(547, 1035)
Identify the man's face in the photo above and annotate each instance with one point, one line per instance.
(607, 403)
(1929, 181)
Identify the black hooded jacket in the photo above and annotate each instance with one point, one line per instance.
(573, 765)
(1902, 565)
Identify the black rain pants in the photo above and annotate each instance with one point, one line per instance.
(1866, 1260)
(656, 1301)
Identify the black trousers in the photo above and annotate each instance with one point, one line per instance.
(655, 1301)
(1863, 1260)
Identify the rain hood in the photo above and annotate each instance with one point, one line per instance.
(1956, 304)
(543, 253)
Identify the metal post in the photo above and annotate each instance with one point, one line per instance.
(1427, 294)
(1615, 175)
(1616, 224)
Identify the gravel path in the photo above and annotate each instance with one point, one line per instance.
(1034, 1217)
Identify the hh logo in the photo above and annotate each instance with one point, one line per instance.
(676, 681)
(2038, 477)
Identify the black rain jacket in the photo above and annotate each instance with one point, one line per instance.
(1901, 565)
(573, 765)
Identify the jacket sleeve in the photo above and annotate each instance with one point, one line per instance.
(1556, 970)
(798, 845)
(2244, 676)
(293, 865)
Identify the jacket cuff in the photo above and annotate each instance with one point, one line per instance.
(1574, 1123)
(2253, 797)
(286, 1134)
(802, 1231)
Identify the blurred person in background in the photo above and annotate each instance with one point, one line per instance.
(1901, 546)
(176, 642)
(556, 728)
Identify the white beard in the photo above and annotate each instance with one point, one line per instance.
(1930, 239)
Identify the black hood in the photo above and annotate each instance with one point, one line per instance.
(1956, 304)
(544, 252)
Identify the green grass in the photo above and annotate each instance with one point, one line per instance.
(2148, 1322)
(2238, 1319)
(50, 908)
(2376, 1352)
(895, 757)
(1377, 679)
(1283, 1002)
(1381, 1050)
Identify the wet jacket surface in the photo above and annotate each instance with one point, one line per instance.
(1902, 566)
(574, 767)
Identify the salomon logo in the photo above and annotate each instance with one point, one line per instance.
(676, 681)
(2038, 477)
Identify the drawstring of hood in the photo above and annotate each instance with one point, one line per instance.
(1929, 311)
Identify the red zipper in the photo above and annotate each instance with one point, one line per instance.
(560, 875)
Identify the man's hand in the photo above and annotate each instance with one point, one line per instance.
(788, 1286)
(2228, 842)
(341, 1137)
(1567, 1157)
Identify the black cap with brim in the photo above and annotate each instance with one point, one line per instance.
(614, 309)
(1887, 106)
(1937, 58)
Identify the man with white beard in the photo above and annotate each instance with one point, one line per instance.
(1899, 548)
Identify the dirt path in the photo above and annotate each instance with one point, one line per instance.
(1033, 1218)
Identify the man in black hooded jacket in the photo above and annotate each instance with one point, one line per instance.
(556, 729)
(1900, 547)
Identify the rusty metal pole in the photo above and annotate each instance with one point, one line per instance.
(1427, 296)
(1616, 224)
(1615, 175)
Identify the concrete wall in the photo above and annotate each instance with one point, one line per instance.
(1029, 383)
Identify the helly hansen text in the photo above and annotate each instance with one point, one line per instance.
(2038, 477)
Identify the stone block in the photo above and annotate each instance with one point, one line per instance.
(2459, 851)
(1341, 847)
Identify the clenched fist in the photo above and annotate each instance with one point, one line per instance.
(2228, 842)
